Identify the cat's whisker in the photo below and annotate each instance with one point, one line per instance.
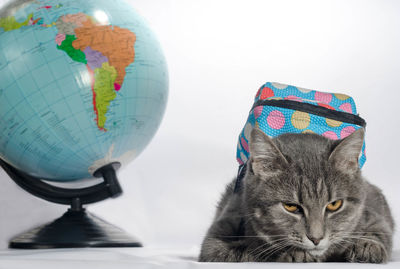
(272, 243)
(269, 251)
(254, 251)
(269, 254)
(250, 236)
(257, 248)
(366, 232)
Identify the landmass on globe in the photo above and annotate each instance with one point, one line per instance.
(83, 83)
(106, 50)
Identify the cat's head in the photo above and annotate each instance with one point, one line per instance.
(304, 190)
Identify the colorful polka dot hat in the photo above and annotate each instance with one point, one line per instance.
(280, 109)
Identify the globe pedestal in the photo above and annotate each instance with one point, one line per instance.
(76, 228)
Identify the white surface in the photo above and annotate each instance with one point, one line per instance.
(219, 53)
(143, 258)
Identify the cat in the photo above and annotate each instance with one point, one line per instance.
(302, 199)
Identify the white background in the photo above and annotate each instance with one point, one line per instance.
(219, 53)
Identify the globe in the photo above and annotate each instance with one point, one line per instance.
(82, 84)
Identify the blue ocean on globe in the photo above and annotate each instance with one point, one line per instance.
(82, 84)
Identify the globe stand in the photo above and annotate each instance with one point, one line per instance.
(76, 228)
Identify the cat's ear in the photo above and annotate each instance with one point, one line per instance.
(345, 156)
(266, 158)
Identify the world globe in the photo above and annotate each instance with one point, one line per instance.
(82, 84)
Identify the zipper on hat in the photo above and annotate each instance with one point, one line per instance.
(313, 109)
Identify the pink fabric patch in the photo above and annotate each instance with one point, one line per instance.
(245, 146)
(294, 98)
(257, 111)
(330, 135)
(323, 97)
(346, 107)
(346, 131)
(276, 120)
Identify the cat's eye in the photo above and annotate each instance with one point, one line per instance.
(334, 206)
(292, 208)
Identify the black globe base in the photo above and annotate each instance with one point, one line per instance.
(76, 228)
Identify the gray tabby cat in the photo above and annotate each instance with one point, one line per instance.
(303, 199)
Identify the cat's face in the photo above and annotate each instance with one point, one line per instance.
(303, 190)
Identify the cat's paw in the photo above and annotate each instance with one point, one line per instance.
(297, 256)
(368, 253)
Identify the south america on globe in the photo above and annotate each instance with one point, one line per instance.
(82, 84)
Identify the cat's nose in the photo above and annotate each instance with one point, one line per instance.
(315, 240)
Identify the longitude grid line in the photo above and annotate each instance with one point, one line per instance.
(81, 132)
(73, 115)
(60, 140)
(4, 94)
(23, 122)
(22, 100)
(121, 144)
(21, 125)
(16, 112)
(104, 143)
(138, 116)
(147, 99)
(127, 134)
(13, 81)
(88, 120)
(30, 95)
(98, 142)
(37, 67)
(54, 80)
(147, 80)
(120, 118)
(56, 136)
(118, 134)
(136, 80)
(96, 137)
